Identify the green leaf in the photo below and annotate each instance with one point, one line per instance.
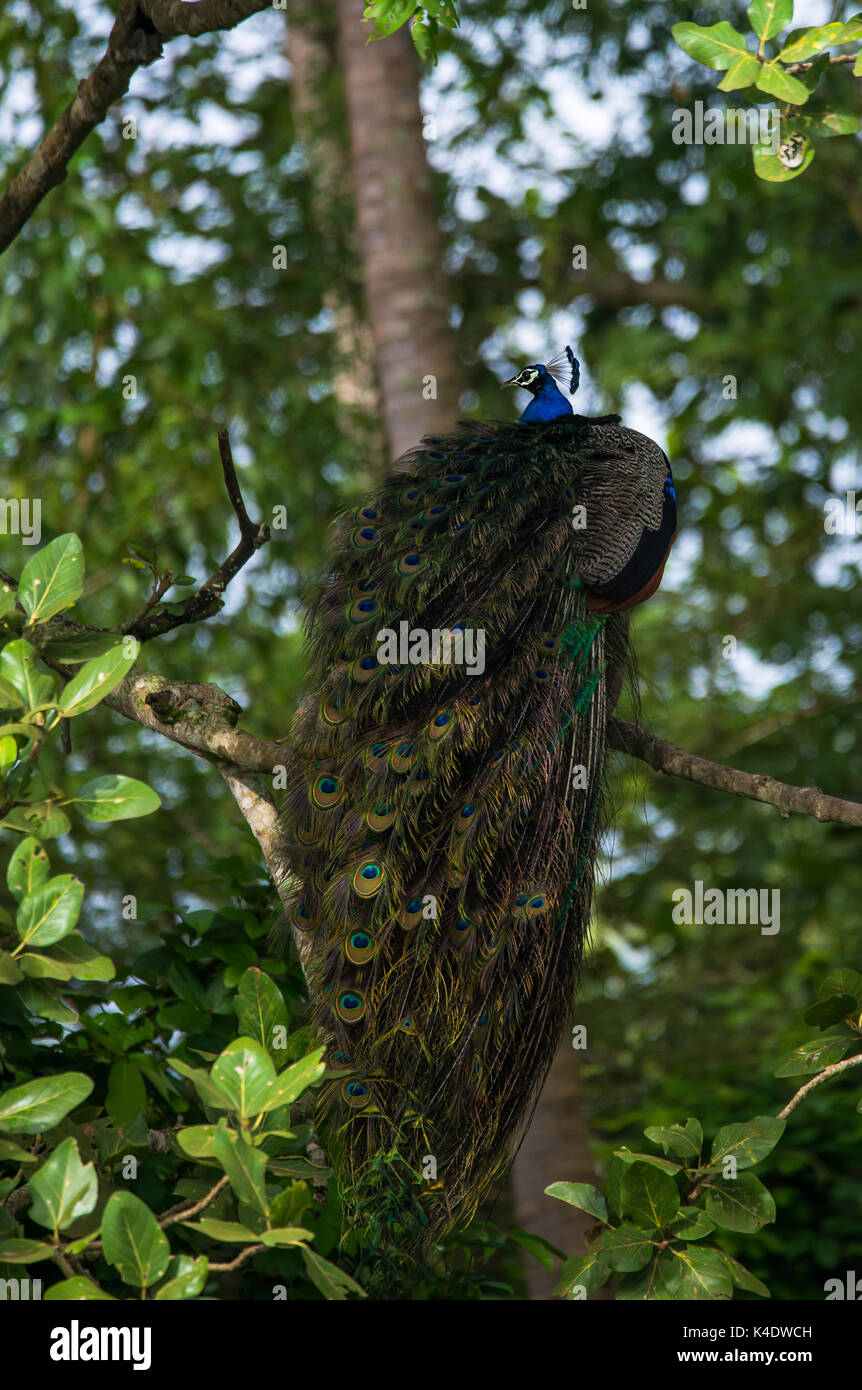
(126, 1093)
(186, 1278)
(743, 1278)
(740, 1204)
(833, 123)
(807, 42)
(815, 1054)
(841, 982)
(10, 971)
(63, 1189)
(28, 868)
(42, 819)
(197, 1141)
(98, 678)
(8, 753)
(332, 1282)
(286, 1235)
(116, 798)
(828, 1011)
(18, 668)
(76, 1290)
(7, 599)
(581, 1195)
(648, 1197)
(857, 66)
(50, 912)
(53, 579)
(629, 1248)
(231, 1232)
(13, 1153)
(245, 1167)
(701, 1274)
(589, 1271)
(685, 1142)
(246, 1075)
(41, 1104)
(768, 166)
(691, 1224)
(80, 646)
(42, 967)
(666, 1165)
(45, 1002)
(742, 73)
(652, 1283)
(749, 1142)
(719, 46)
(541, 1249)
(132, 1241)
(779, 84)
(82, 960)
(210, 1093)
(9, 696)
(295, 1079)
(260, 1009)
(20, 1252)
(769, 17)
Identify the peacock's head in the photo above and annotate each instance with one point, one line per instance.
(565, 368)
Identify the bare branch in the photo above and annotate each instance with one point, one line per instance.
(207, 601)
(676, 762)
(201, 718)
(135, 41)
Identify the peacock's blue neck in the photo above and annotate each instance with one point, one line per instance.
(548, 403)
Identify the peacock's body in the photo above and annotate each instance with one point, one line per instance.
(444, 804)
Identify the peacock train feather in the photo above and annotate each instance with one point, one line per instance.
(445, 793)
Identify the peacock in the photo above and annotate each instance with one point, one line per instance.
(444, 800)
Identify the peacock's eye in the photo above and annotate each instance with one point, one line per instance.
(527, 377)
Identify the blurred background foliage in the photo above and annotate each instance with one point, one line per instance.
(550, 129)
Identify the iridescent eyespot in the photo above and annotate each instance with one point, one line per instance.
(326, 792)
(350, 1005)
(365, 538)
(359, 947)
(368, 878)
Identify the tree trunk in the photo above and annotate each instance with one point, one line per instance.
(399, 239)
(557, 1148)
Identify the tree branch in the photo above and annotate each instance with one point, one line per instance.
(172, 18)
(834, 1070)
(135, 41)
(676, 762)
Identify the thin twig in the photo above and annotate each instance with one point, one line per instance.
(817, 1080)
(173, 1215)
(241, 1258)
(208, 599)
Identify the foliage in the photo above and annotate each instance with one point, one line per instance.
(655, 1212)
(154, 258)
(790, 76)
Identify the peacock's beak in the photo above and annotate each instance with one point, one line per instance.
(513, 381)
